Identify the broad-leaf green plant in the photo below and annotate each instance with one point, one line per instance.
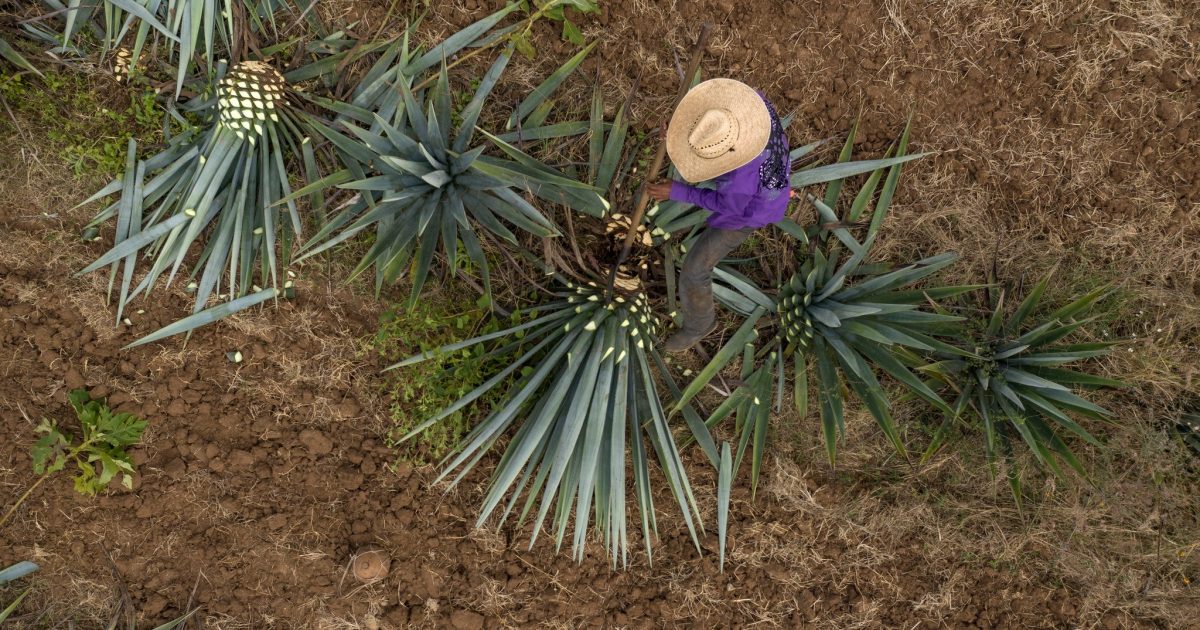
(555, 10)
(99, 455)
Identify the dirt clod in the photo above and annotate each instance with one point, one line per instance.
(466, 620)
(316, 442)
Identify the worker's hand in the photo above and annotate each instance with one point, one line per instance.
(659, 191)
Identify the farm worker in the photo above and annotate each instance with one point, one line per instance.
(722, 130)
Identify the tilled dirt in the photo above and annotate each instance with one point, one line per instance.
(259, 482)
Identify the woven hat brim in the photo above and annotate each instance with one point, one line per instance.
(746, 106)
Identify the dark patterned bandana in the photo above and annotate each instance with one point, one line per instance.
(773, 174)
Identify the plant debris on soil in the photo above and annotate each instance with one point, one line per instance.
(1066, 133)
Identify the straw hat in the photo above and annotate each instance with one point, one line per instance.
(720, 125)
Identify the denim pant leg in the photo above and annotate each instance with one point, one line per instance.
(695, 281)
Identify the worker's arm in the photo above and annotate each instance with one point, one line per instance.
(729, 198)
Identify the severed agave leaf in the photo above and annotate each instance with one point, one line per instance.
(10, 54)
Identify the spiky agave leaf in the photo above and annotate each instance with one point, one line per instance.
(17, 571)
(216, 188)
(195, 32)
(845, 320)
(376, 91)
(1188, 430)
(11, 55)
(424, 188)
(608, 168)
(583, 407)
(1008, 380)
(846, 329)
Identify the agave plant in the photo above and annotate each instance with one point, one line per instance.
(846, 326)
(1008, 380)
(424, 186)
(221, 184)
(582, 396)
(835, 313)
(581, 404)
(225, 186)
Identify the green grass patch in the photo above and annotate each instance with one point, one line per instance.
(420, 391)
(88, 126)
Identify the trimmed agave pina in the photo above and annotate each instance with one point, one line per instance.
(618, 225)
(123, 64)
(632, 312)
(248, 97)
(629, 276)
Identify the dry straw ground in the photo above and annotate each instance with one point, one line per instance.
(1066, 136)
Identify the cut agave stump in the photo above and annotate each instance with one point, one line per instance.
(249, 95)
(370, 566)
(124, 66)
(630, 272)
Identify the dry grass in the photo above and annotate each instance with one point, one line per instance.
(1059, 190)
(1109, 542)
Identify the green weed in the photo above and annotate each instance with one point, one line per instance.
(420, 391)
(89, 132)
(104, 437)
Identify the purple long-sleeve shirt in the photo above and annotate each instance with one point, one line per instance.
(739, 199)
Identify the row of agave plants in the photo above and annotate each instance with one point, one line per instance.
(587, 400)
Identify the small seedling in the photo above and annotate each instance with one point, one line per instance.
(105, 436)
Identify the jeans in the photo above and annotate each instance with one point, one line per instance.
(695, 281)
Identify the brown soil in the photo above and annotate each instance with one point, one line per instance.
(1066, 133)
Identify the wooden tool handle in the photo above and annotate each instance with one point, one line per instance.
(657, 164)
